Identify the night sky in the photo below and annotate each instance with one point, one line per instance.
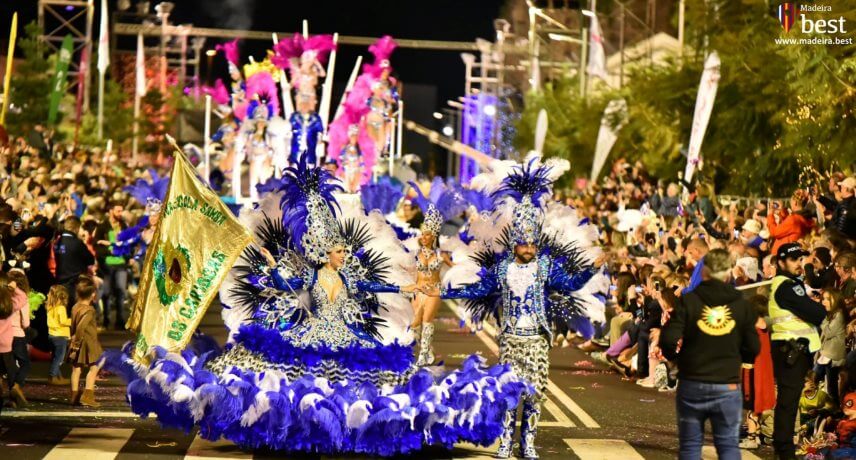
(460, 20)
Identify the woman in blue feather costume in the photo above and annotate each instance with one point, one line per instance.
(319, 357)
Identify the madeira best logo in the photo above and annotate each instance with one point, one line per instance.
(824, 31)
(787, 15)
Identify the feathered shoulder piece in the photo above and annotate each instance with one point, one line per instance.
(149, 194)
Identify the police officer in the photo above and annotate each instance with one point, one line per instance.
(794, 318)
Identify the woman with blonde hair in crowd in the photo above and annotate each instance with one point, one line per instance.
(59, 331)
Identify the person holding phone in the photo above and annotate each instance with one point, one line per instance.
(789, 225)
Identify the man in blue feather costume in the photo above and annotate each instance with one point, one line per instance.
(514, 286)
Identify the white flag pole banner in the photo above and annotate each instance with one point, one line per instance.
(607, 135)
(703, 108)
(141, 68)
(103, 40)
(597, 56)
(541, 131)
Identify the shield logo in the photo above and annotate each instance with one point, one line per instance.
(787, 15)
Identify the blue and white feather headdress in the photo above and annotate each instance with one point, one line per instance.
(525, 186)
(442, 203)
(149, 194)
(309, 209)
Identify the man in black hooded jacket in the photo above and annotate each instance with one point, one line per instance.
(710, 334)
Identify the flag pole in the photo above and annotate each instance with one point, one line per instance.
(400, 133)
(103, 63)
(139, 90)
(207, 140)
(100, 105)
(348, 87)
(135, 143)
(10, 57)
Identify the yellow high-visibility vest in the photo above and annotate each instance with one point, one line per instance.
(786, 325)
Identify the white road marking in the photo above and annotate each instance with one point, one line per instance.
(476, 452)
(709, 453)
(563, 397)
(603, 449)
(572, 406)
(91, 444)
(557, 413)
(53, 414)
(202, 449)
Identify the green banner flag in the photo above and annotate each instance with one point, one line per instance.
(63, 59)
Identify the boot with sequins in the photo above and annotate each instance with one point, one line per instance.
(417, 340)
(529, 427)
(426, 354)
(507, 436)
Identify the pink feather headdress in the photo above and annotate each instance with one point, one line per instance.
(288, 52)
(382, 51)
(219, 94)
(230, 50)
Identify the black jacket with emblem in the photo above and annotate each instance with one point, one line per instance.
(717, 326)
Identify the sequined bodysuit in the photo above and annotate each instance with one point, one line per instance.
(328, 339)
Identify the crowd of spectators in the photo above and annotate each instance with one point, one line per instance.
(657, 232)
(61, 211)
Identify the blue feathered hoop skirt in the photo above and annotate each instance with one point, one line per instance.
(266, 402)
(323, 383)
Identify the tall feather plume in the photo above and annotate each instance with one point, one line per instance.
(447, 200)
(381, 50)
(219, 94)
(421, 200)
(383, 196)
(287, 49)
(230, 49)
(144, 191)
(297, 184)
(529, 180)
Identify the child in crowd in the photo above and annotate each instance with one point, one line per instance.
(84, 349)
(12, 305)
(20, 324)
(832, 336)
(814, 403)
(59, 331)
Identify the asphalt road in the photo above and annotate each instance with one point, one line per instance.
(591, 413)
